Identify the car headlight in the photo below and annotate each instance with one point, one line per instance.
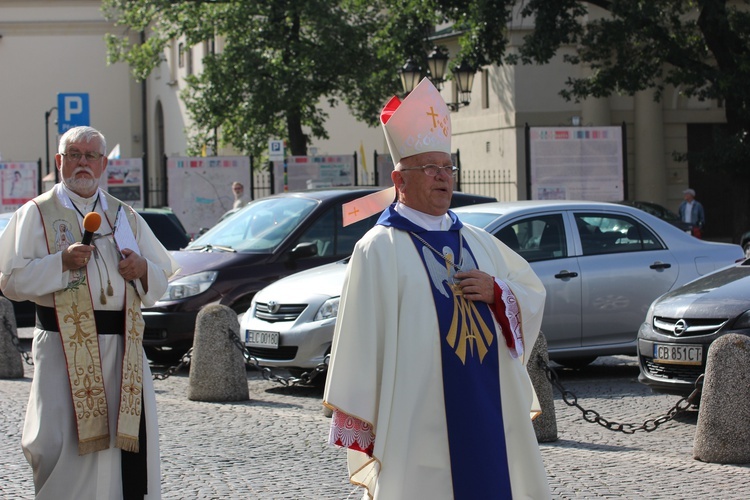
(189, 285)
(742, 321)
(329, 309)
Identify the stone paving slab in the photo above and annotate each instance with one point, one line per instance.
(274, 445)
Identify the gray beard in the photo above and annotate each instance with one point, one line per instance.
(79, 186)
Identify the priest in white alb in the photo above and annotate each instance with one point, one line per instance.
(91, 429)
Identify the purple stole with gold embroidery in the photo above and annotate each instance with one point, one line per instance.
(469, 354)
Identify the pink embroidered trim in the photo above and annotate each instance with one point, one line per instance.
(508, 315)
(351, 432)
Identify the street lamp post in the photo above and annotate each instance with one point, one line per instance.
(437, 63)
(411, 74)
(46, 136)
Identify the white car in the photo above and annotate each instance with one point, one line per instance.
(601, 263)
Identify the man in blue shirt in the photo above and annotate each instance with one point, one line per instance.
(691, 211)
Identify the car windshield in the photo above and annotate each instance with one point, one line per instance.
(478, 219)
(258, 227)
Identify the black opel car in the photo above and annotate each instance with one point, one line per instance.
(264, 241)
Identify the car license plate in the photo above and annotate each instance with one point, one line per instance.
(262, 339)
(678, 354)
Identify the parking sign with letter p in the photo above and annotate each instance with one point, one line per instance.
(72, 111)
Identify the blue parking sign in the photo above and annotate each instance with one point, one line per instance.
(72, 111)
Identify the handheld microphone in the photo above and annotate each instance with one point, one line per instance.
(91, 223)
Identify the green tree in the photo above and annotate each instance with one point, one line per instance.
(280, 59)
(701, 47)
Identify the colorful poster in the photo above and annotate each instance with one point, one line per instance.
(123, 179)
(18, 184)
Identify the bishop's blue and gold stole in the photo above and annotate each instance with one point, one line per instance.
(471, 384)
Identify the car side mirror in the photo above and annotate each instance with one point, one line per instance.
(304, 249)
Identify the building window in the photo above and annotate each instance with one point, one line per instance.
(181, 55)
(189, 61)
(485, 88)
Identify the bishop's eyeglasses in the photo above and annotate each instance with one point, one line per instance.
(432, 170)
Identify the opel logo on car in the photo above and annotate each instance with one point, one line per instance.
(680, 327)
(273, 306)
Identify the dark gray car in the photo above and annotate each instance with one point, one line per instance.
(673, 342)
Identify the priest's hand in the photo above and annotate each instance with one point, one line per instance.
(477, 285)
(76, 256)
(133, 267)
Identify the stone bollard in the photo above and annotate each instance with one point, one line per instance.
(11, 364)
(217, 366)
(545, 425)
(722, 435)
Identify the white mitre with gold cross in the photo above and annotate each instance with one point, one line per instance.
(421, 123)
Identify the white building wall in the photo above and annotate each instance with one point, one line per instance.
(51, 47)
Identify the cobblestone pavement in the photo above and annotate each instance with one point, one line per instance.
(274, 445)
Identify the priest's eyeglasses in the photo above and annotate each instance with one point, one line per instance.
(76, 156)
(432, 170)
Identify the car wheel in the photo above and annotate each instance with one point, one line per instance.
(581, 362)
(747, 250)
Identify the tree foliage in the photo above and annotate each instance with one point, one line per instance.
(280, 59)
(700, 47)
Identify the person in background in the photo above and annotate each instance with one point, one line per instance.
(427, 380)
(239, 195)
(91, 428)
(691, 211)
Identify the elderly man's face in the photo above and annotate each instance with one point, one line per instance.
(79, 173)
(429, 194)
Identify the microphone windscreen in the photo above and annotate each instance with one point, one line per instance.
(92, 221)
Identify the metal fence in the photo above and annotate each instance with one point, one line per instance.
(496, 183)
(499, 184)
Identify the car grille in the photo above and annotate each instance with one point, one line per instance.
(285, 312)
(688, 327)
(281, 354)
(672, 372)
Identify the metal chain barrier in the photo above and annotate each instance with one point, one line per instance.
(592, 416)
(184, 361)
(14, 339)
(250, 360)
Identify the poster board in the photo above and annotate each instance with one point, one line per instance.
(124, 180)
(309, 172)
(576, 163)
(200, 188)
(18, 184)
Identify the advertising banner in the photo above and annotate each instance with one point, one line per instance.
(200, 188)
(124, 180)
(309, 172)
(18, 184)
(576, 163)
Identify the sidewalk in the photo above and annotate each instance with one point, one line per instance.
(274, 446)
